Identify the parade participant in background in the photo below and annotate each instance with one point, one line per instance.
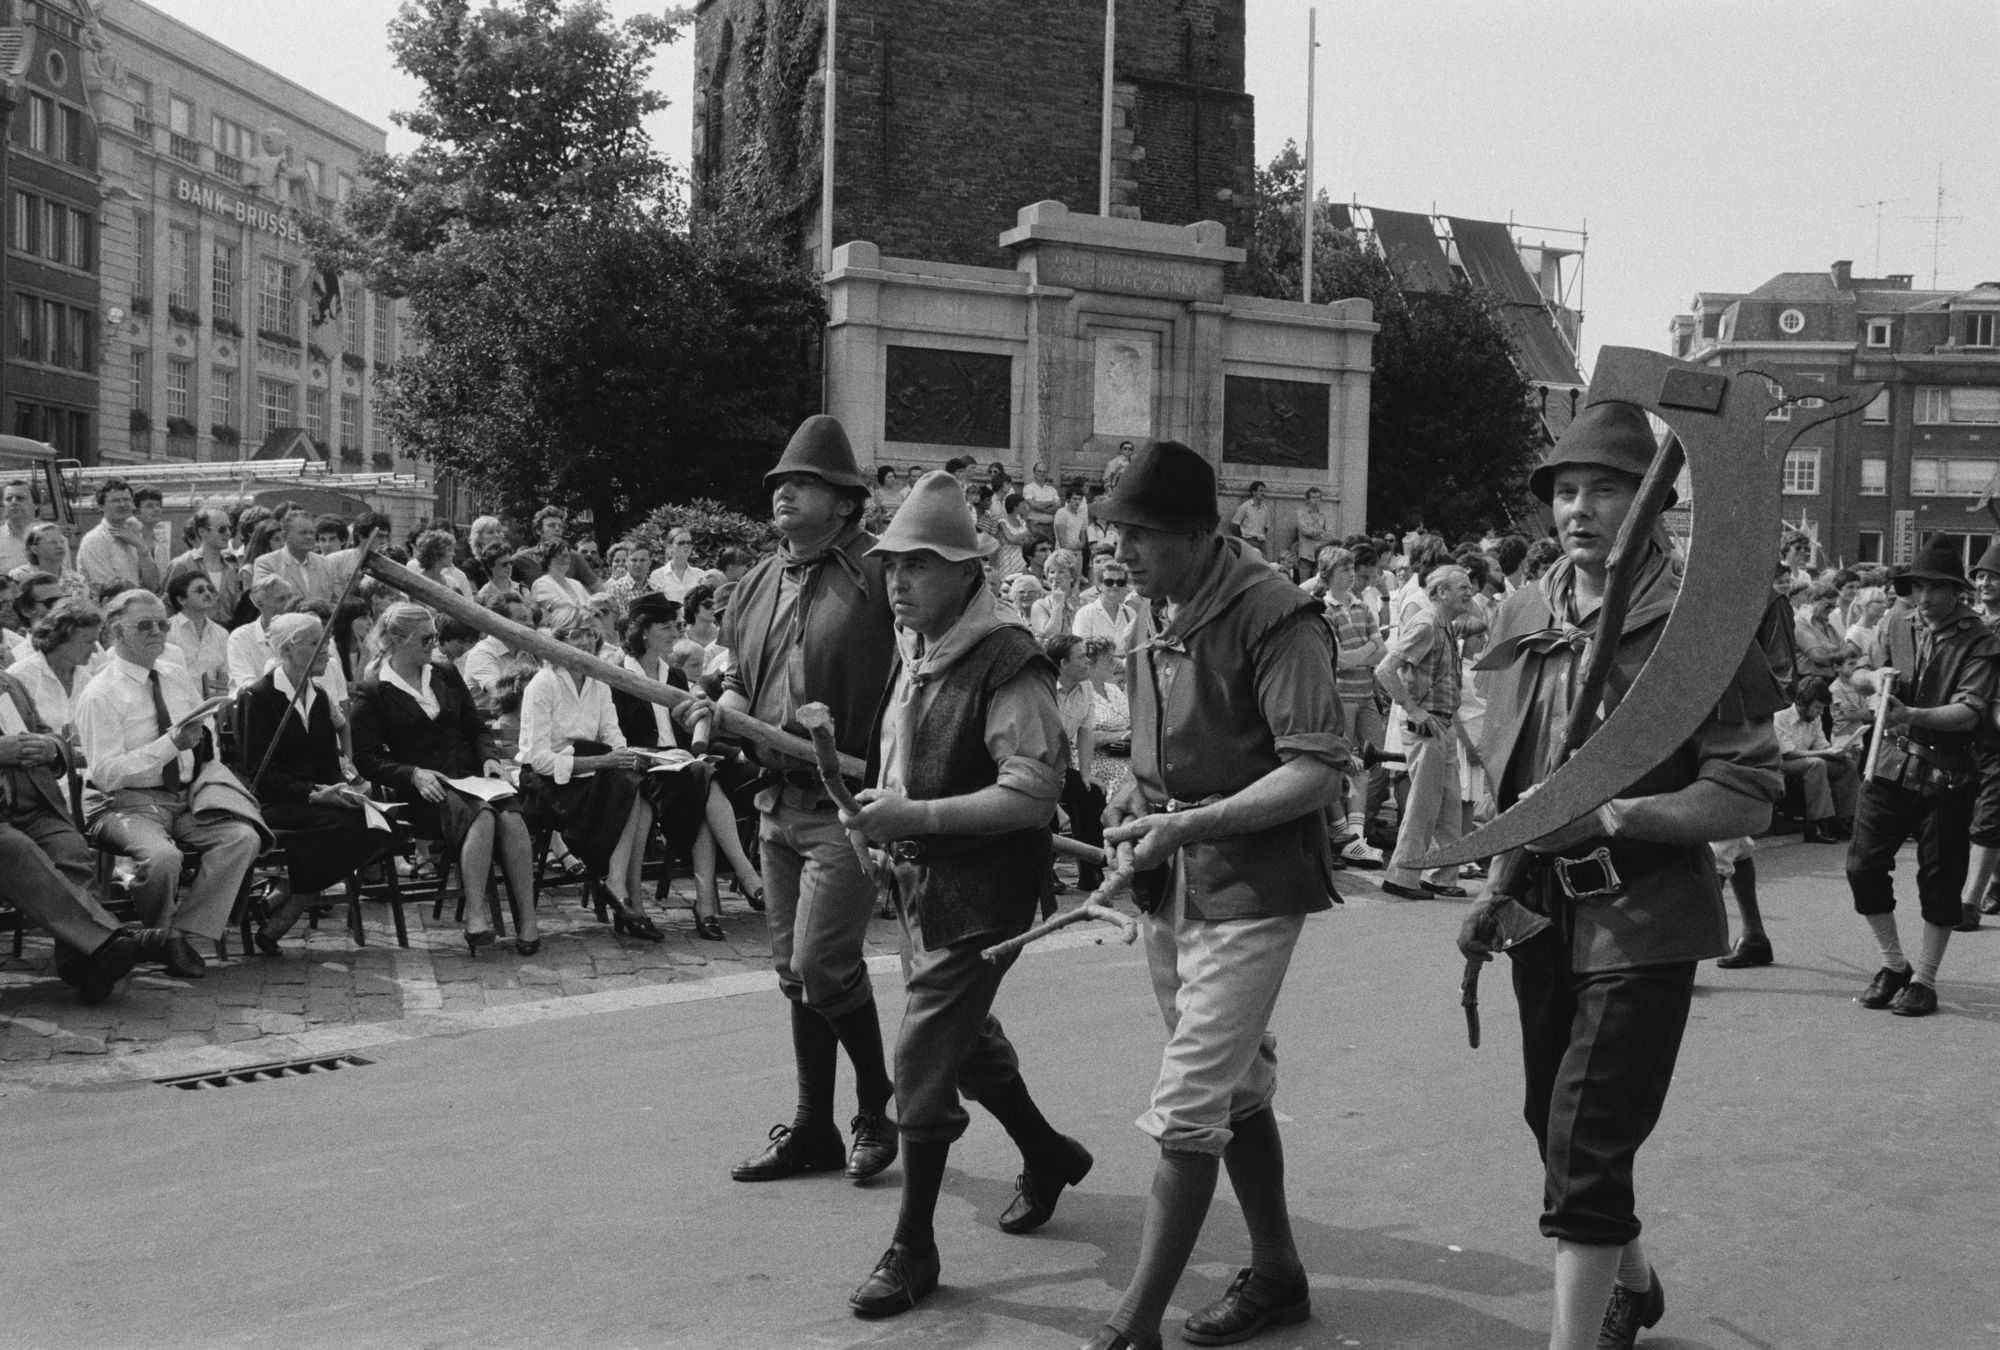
(1926, 779)
(141, 752)
(968, 758)
(1605, 988)
(308, 573)
(1237, 750)
(811, 624)
(114, 551)
(1421, 674)
(207, 536)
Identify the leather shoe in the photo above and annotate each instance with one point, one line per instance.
(1629, 1310)
(1111, 1338)
(1968, 920)
(1917, 1000)
(1248, 1306)
(900, 1280)
(99, 973)
(1037, 1189)
(709, 927)
(1750, 951)
(790, 1153)
(874, 1146)
(1447, 892)
(180, 958)
(1882, 990)
(1406, 892)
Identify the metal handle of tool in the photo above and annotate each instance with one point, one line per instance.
(1885, 683)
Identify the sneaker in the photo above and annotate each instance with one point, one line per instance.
(1917, 1000)
(1361, 854)
(1629, 1310)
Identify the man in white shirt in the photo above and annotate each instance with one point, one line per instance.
(210, 528)
(115, 552)
(1042, 498)
(1824, 776)
(677, 575)
(310, 574)
(1072, 522)
(17, 517)
(249, 645)
(141, 756)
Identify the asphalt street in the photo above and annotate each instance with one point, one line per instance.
(1823, 1177)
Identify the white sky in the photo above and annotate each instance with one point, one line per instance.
(1707, 146)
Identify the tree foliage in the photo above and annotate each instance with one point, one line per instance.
(573, 337)
(1452, 433)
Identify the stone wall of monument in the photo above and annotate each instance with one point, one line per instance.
(953, 114)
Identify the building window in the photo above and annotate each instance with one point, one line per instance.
(1957, 405)
(1792, 322)
(51, 333)
(1802, 473)
(316, 415)
(26, 235)
(55, 231)
(222, 283)
(385, 337)
(1874, 476)
(276, 298)
(274, 401)
(1781, 413)
(1868, 546)
(180, 389)
(1877, 411)
(352, 301)
(222, 397)
(316, 175)
(180, 267)
(67, 429)
(142, 257)
(142, 378)
(1976, 330)
(1932, 477)
(181, 143)
(1878, 332)
(343, 187)
(142, 104)
(350, 426)
(70, 147)
(41, 123)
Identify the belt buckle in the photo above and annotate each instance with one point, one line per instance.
(905, 850)
(1609, 882)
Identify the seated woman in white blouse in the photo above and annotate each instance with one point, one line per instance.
(579, 774)
(560, 595)
(63, 656)
(198, 642)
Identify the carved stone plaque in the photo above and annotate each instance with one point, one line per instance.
(1122, 392)
(1281, 423)
(941, 397)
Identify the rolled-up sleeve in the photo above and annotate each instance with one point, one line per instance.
(1296, 692)
(1025, 737)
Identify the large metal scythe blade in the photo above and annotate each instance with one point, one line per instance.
(1719, 419)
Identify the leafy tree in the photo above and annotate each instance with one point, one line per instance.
(574, 338)
(1452, 433)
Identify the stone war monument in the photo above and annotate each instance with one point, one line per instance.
(1105, 330)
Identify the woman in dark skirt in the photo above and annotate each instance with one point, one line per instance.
(577, 772)
(693, 815)
(415, 726)
(303, 792)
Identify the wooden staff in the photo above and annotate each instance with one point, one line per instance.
(447, 601)
(1096, 906)
(817, 718)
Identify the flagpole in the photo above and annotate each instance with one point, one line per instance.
(1306, 207)
(827, 138)
(1104, 145)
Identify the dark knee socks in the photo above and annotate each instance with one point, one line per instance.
(1256, 1162)
(1743, 885)
(1183, 1185)
(860, 1034)
(1023, 1120)
(923, 1177)
(814, 1048)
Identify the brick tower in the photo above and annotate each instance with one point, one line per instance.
(954, 114)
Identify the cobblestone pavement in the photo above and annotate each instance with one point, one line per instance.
(260, 1009)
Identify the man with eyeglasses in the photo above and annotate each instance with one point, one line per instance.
(17, 518)
(208, 535)
(142, 753)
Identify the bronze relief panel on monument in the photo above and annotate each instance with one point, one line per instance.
(1278, 423)
(935, 396)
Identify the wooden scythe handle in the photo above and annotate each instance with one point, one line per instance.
(818, 719)
(447, 601)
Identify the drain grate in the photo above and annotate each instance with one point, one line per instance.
(263, 1073)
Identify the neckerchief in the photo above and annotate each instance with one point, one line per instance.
(805, 572)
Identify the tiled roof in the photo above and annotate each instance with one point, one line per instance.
(1797, 286)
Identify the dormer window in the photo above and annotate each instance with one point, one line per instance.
(1976, 330)
(1792, 322)
(1878, 333)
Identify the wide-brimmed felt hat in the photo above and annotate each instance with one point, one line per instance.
(820, 447)
(934, 518)
(1939, 560)
(1989, 561)
(1610, 435)
(1167, 487)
